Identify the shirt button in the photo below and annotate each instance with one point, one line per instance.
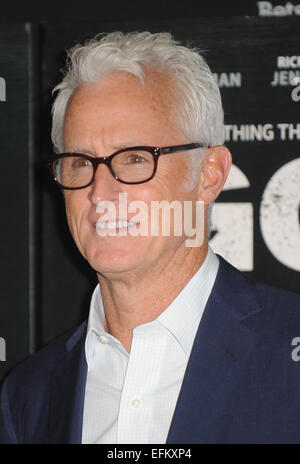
(103, 339)
(136, 403)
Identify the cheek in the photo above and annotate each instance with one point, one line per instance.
(75, 206)
(154, 192)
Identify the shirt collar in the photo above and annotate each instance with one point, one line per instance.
(183, 315)
(181, 318)
(97, 313)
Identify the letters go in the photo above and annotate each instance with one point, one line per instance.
(279, 219)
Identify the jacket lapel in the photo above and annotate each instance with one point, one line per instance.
(218, 359)
(67, 391)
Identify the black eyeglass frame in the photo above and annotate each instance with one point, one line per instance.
(156, 152)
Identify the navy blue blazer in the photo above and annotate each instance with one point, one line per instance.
(241, 384)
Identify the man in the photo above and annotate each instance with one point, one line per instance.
(179, 347)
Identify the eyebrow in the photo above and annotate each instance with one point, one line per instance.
(93, 153)
(82, 150)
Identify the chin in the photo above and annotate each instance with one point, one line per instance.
(116, 254)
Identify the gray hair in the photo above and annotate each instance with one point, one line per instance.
(199, 110)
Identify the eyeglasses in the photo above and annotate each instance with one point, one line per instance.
(133, 165)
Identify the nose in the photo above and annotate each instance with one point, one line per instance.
(104, 186)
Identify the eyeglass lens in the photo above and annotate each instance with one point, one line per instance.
(128, 166)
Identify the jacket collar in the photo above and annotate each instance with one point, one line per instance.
(218, 359)
(67, 391)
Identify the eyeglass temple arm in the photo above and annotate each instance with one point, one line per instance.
(176, 148)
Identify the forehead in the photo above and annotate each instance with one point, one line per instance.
(121, 101)
(156, 88)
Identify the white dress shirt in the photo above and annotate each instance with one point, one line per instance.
(131, 397)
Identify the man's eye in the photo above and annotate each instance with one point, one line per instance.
(80, 163)
(136, 159)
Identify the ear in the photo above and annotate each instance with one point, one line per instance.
(215, 168)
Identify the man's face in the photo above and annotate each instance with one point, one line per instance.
(100, 119)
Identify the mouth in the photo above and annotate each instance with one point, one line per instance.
(109, 225)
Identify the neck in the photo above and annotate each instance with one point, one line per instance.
(134, 298)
